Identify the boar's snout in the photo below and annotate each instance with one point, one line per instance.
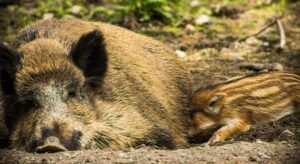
(51, 145)
(52, 141)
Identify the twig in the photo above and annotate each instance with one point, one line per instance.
(282, 33)
(262, 30)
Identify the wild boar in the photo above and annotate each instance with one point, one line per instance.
(70, 84)
(236, 105)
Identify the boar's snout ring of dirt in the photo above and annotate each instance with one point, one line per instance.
(69, 84)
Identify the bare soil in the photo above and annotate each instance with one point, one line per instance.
(214, 54)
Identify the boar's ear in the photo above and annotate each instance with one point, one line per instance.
(90, 56)
(9, 62)
(216, 103)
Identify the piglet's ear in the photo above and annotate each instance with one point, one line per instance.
(90, 56)
(9, 63)
(216, 102)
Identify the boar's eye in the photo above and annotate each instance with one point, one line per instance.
(69, 94)
(71, 91)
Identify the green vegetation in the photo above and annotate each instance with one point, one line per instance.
(168, 16)
(122, 12)
(111, 11)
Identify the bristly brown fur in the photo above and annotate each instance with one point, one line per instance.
(97, 83)
(238, 104)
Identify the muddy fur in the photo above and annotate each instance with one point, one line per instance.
(116, 88)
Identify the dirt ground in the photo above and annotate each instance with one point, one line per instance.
(213, 56)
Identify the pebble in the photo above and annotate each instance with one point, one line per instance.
(258, 141)
(265, 156)
(48, 16)
(252, 41)
(75, 9)
(237, 57)
(202, 19)
(265, 44)
(190, 27)
(180, 53)
(278, 67)
(194, 3)
(5, 43)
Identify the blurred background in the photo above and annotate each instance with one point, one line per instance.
(223, 38)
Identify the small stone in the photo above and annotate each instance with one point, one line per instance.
(265, 44)
(75, 9)
(202, 19)
(180, 53)
(5, 43)
(194, 3)
(237, 57)
(252, 41)
(264, 156)
(190, 27)
(278, 67)
(48, 16)
(259, 141)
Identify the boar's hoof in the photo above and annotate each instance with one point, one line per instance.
(51, 145)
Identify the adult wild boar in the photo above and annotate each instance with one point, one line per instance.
(70, 84)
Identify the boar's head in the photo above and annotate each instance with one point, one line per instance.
(49, 91)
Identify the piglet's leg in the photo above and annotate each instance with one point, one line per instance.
(233, 127)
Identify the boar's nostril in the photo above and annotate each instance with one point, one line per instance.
(51, 145)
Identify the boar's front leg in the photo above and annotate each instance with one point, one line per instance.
(231, 128)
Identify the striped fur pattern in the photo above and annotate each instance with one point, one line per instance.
(238, 104)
